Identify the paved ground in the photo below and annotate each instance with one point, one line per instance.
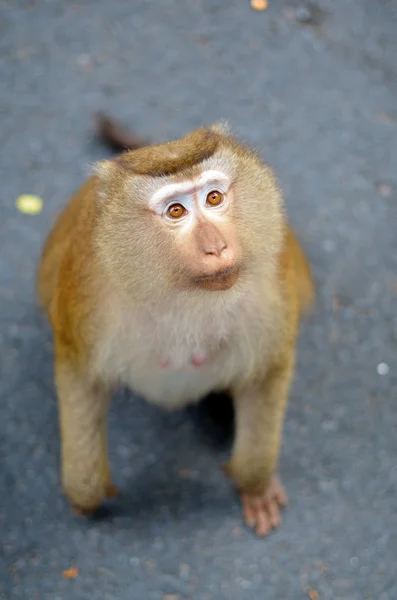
(319, 100)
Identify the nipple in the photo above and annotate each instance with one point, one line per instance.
(198, 359)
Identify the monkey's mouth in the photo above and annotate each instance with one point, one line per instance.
(219, 281)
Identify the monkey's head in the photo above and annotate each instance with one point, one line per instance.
(199, 213)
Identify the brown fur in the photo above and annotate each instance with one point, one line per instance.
(119, 299)
(171, 157)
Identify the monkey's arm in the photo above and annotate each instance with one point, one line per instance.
(69, 293)
(260, 407)
(82, 408)
(82, 399)
(259, 411)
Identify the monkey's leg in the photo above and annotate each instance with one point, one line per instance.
(83, 424)
(260, 413)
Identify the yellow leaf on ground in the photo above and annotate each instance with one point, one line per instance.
(259, 4)
(29, 204)
(71, 573)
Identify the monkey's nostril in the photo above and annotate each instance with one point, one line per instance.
(216, 249)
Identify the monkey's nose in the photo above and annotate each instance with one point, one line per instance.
(210, 240)
(215, 247)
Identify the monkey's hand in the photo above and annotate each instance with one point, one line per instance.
(263, 512)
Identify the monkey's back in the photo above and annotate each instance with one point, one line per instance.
(63, 233)
(301, 274)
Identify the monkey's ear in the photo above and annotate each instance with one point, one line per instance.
(104, 169)
(108, 172)
(221, 127)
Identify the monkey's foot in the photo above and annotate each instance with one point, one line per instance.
(111, 492)
(83, 513)
(263, 512)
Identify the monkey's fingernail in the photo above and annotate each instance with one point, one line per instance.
(262, 530)
(249, 517)
(275, 518)
(248, 514)
(250, 520)
(264, 524)
(29, 204)
(281, 498)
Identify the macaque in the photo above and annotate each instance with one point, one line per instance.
(174, 271)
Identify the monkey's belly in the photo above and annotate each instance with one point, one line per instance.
(173, 388)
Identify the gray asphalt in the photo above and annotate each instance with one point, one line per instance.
(319, 101)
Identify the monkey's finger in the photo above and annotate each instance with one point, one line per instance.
(249, 516)
(273, 513)
(263, 523)
(280, 495)
(249, 513)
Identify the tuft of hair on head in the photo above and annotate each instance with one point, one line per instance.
(171, 157)
(222, 127)
(103, 168)
(167, 158)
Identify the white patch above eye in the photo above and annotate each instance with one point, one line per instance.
(214, 178)
(183, 191)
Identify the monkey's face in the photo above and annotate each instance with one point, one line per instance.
(196, 217)
(182, 216)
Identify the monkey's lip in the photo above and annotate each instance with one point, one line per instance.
(221, 280)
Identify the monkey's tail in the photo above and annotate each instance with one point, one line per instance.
(115, 136)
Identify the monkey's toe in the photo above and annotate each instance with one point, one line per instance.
(83, 513)
(263, 512)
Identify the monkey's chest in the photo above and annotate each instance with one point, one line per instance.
(177, 376)
(172, 387)
(186, 354)
(173, 371)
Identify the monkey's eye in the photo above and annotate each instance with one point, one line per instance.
(214, 198)
(176, 211)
